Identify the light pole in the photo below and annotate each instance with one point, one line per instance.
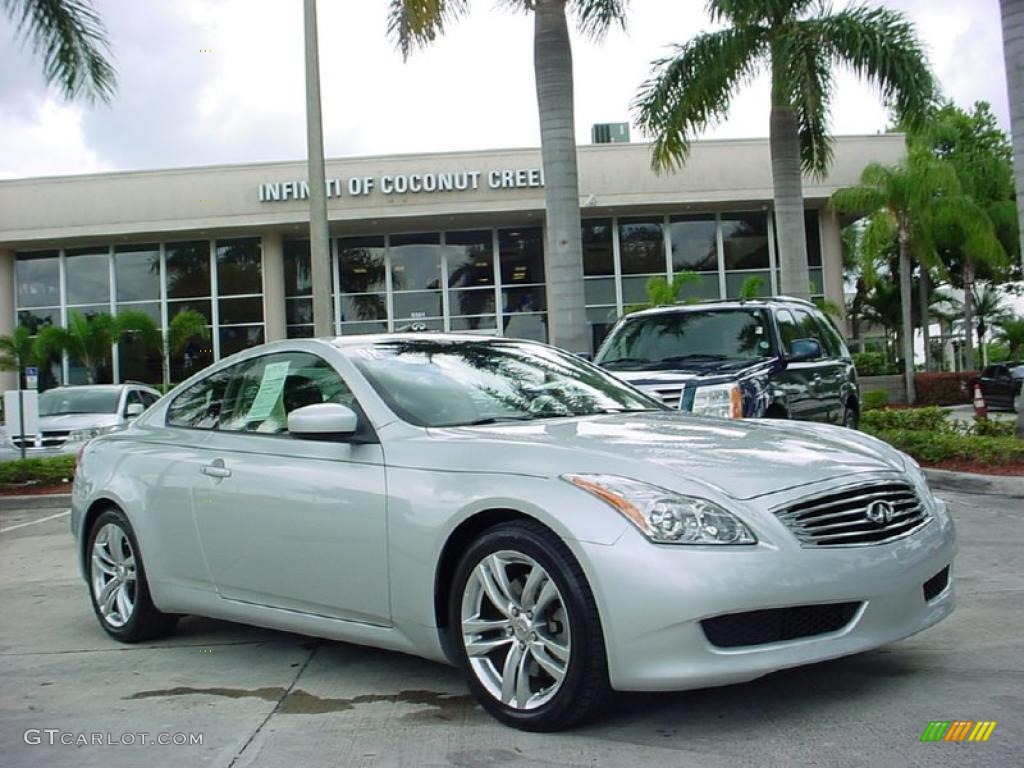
(319, 237)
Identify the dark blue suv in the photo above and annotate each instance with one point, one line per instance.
(772, 358)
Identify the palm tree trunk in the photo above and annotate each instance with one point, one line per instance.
(787, 186)
(969, 314)
(906, 313)
(924, 293)
(552, 63)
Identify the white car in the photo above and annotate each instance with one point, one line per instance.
(511, 509)
(69, 416)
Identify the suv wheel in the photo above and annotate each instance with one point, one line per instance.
(529, 633)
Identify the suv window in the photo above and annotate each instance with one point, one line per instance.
(836, 346)
(260, 396)
(810, 329)
(788, 328)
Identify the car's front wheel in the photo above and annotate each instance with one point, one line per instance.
(117, 582)
(529, 630)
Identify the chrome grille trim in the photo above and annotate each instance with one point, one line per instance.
(667, 395)
(837, 517)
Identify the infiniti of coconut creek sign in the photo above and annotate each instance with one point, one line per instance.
(407, 184)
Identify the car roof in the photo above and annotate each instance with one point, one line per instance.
(714, 304)
(374, 338)
(135, 384)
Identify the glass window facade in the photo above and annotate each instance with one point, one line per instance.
(486, 280)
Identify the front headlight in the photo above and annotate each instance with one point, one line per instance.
(81, 435)
(664, 516)
(913, 470)
(722, 400)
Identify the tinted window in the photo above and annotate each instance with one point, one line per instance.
(836, 347)
(788, 328)
(148, 398)
(199, 406)
(695, 336)
(810, 329)
(262, 395)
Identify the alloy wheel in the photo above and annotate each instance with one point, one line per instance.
(515, 630)
(114, 578)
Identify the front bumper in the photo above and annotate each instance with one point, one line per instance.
(652, 599)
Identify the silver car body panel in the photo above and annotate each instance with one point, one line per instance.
(285, 543)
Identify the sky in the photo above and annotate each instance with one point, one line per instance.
(204, 82)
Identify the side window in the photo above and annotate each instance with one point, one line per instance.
(132, 398)
(836, 347)
(148, 398)
(261, 398)
(809, 328)
(788, 328)
(200, 406)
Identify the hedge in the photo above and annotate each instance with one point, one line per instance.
(932, 419)
(943, 388)
(51, 470)
(934, 447)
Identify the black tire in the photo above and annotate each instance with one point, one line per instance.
(851, 418)
(584, 688)
(144, 621)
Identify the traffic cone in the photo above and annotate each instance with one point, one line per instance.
(980, 409)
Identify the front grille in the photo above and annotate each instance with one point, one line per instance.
(776, 625)
(936, 584)
(50, 439)
(853, 516)
(667, 395)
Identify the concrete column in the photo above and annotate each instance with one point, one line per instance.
(832, 261)
(8, 379)
(273, 286)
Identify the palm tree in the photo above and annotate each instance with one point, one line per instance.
(18, 351)
(183, 328)
(70, 37)
(989, 310)
(1011, 333)
(420, 22)
(661, 292)
(800, 42)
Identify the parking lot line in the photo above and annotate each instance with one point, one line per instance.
(35, 522)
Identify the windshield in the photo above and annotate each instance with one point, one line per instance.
(57, 402)
(692, 336)
(441, 383)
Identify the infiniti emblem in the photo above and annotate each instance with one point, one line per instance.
(880, 512)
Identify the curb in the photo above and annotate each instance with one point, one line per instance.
(36, 501)
(966, 482)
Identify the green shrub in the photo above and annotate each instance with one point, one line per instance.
(875, 400)
(990, 428)
(932, 447)
(52, 470)
(943, 388)
(932, 419)
(873, 364)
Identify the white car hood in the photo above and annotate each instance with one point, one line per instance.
(742, 459)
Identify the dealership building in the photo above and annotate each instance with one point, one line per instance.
(450, 241)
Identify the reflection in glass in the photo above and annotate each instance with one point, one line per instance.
(137, 272)
(415, 261)
(362, 264)
(487, 323)
(734, 283)
(299, 332)
(599, 290)
(87, 276)
(351, 329)
(366, 306)
(745, 240)
(523, 300)
(197, 354)
(202, 307)
(470, 258)
(38, 278)
(641, 246)
(694, 243)
(239, 337)
(471, 302)
(813, 239)
(534, 327)
(235, 311)
(522, 255)
(598, 257)
(34, 319)
(188, 269)
(298, 311)
(152, 309)
(417, 304)
(239, 266)
(298, 275)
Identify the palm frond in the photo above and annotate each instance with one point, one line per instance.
(750, 12)
(70, 37)
(417, 23)
(184, 327)
(595, 17)
(691, 90)
(807, 72)
(132, 324)
(881, 46)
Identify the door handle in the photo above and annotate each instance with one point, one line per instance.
(216, 470)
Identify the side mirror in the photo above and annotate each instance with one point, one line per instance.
(586, 356)
(322, 421)
(804, 349)
(133, 410)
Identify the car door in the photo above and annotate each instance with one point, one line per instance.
(834, 385)
(292, 523)
(797, 379)
(998, 389)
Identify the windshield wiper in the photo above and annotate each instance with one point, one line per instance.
(694, 356)
(489, 420)
(625, 360)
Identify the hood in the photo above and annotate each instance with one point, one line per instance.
(69, 421)
(697, 372)
(741, 459)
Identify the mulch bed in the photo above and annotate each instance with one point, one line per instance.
(977, 468)
(34, 490)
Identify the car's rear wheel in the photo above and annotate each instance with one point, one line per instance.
(117, 582)
(529, 632)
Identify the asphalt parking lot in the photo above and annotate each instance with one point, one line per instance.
(262, 698)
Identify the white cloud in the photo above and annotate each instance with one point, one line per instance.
(47, 141)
